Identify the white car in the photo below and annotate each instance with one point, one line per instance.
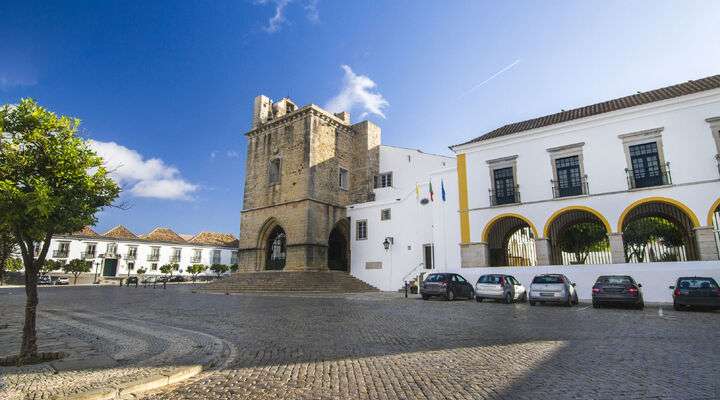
(60, 280)
(499, 287)
(553, 288)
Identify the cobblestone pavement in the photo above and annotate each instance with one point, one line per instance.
(382, 346)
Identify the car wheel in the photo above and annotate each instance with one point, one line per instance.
(568, 301)
(532, 303)
(450, 296)
(575, 299)
(596, 304)
(523, 298)
(678, 307)
(508, 298)
(478, 299)
(425, 297)
(640, 305)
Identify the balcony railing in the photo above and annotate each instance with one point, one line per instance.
(60, 253)
(88, 255)
(174, 259)
(505, 196)
(569, 190)
(643, 178)
(130, 256)
(110, 255)
(153, 257)
(195, 260)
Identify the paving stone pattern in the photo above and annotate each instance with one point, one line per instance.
(382, 346)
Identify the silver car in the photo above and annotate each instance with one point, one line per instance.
(500, 287)
(553, 288)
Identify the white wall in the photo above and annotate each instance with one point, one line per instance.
(655, 277)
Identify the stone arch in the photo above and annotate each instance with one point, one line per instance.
(593, 248)
(666, 214)
(511, 240)
(714, 209)
(272, 233)
(338, 253)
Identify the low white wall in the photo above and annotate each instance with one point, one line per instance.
(654, 277)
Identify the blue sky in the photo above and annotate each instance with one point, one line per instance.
(165, 88)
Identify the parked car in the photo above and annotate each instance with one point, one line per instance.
(448, 285)
(176, 278)
(617, 289)
(133, 280)
(696, 292)
(60, 280)
(552, 288)
(149, 279)
(500, 287)
(44, 280)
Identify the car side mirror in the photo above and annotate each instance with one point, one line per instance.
(671, 287)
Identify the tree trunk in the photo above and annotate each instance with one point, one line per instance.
(28, 348)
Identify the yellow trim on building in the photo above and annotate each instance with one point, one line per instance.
(688, 212)
(463, 199)
(488, 226)
(546, 230)
(714, 207)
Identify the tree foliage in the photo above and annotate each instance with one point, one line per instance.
(77, 267)
(219, 269)
(640, 233)
(583, 238)
(7, 248)
(168, 269)
(50, 266)
(50, 182)
(196, 269)
(141, 271)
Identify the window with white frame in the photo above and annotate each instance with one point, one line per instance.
(646, 165)
(385, 214)
(361, 230)
(216, 256)
(343, 178)
(383, 180)
(197, 256)
(568, 170)
(233, 257)
(503, 178)
(177, 251)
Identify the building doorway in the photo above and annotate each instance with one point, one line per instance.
(110, 267)
(429, 256)
(338, 253)
(276, 249)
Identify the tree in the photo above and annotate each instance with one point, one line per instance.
(234, 268)
(7, 248)
(196, 269)
(168, 269)
(50, 182)
(638, 234)
(77, 267)
(49, 266)
(141, 271)
(11, 265)
(219, 269)
(583, 238)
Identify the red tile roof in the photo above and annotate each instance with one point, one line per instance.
(87, 232)
(163, 235)
(669, 92)
(120, 232)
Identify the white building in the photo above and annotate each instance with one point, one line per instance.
(400, 218)
(515, 191)
(120, 253)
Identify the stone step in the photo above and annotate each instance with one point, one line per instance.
(290, 281)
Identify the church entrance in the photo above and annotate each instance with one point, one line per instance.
(338, 249)
(276, 249)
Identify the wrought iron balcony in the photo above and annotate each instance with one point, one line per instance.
(648, 178)
(60, 253)
(505, 196)
(130, 256)
(174, 259)
(88, 255)
(153, 257)
(110, 255)
(566, 189)
(195, 260)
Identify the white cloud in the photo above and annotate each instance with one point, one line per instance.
(311, 11)
(232, 154)
(358, 91)
(145, 177)
(279, 19)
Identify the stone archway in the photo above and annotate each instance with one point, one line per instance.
(511, 241)
(338, 253)
(276, 249)
(578, 235)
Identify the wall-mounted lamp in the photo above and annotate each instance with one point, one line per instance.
(387, 243)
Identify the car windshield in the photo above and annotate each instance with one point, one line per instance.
(436, 278)
(615, 280)
(491, 279)
(547, 279)
(698, 283)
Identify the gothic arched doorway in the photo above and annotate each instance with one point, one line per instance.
(338, 259)
(276, 249)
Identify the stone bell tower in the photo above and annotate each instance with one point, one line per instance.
(304, 166)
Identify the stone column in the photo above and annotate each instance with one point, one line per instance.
(706, 244)
(542, 251)
(474, 255)
(617, 248)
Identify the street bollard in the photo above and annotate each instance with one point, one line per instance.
(406, 289)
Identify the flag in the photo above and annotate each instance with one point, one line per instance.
(432, 198)
(442, 189)
(417, 191)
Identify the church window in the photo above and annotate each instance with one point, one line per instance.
(274, 173)
(343, 179)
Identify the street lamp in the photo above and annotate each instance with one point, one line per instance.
(387, 243)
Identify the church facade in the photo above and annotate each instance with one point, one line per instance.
(304, 167)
